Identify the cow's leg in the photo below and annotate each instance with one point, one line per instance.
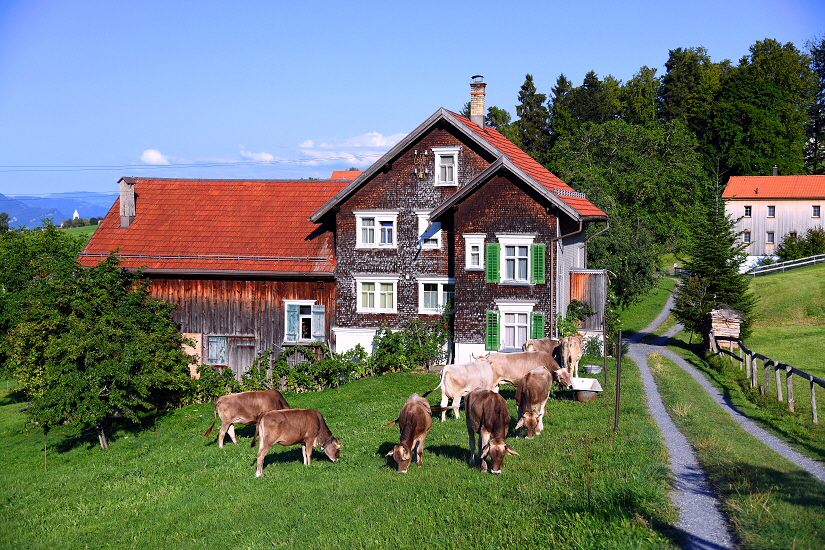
(472, 436)
(456, 404)
(262, 450)
(483, 441)
(231, 432)
(222, 433)
(419, 445)
(444, 400)
(307, 452)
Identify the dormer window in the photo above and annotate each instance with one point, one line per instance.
(429, 233)
(446, 165)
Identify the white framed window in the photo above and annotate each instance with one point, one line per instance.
(376, 229)
(429, 233)
(304, 321)
(515, 323)
(474, 251)
(515, 258)
(376, 294)
(746, 236)
(446, 165)
(769, 238)
(771, 211)
(815, 210)
(748, 211)
(435, 293)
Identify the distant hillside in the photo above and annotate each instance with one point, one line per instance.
(31, 210)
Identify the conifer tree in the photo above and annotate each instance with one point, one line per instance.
(532, 130)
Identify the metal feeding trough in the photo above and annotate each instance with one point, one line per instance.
(592, 369)
(585, 389)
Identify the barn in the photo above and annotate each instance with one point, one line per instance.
(454, 216)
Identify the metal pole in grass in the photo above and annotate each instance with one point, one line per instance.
(44, 457)
(618, 381)
(587, 471)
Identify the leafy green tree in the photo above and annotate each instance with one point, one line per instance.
(639, 97)
(94, 345)
(794, 247)
(4, 222)
(531, 131)
(815, 145)
(715, 254)
(596, 100)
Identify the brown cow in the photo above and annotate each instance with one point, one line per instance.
(541, 344)
(572, 348)
(531, 395)
(459, 380)
(511, 367)
(414, 421)
(487, 415)
(243, 408)
(290, 427)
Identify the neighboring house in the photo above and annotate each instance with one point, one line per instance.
(454, 215)
(767, 208)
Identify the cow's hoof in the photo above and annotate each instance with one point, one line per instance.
(257, 474)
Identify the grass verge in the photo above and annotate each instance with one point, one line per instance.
(770, 502)
(576, 485)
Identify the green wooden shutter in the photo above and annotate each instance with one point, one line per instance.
(537, 257)
(318, 323)
(536, 325)
(293, 323)
(491, 333)
(491, 262)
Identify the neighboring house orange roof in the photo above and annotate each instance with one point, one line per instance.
(345, 174)
(533, 169)
(775, 187)
(205, 226)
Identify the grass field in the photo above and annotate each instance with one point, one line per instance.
(164, 485)
(85, 232)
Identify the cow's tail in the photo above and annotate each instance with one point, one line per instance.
(391, 423)
(214, 420)
(258, 430)
(440, 383)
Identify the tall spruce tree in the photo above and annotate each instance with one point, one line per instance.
(715, 254)
(815, 145)
(532, 129)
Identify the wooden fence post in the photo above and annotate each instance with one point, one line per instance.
(766, 366)
(776, 367)
(813, 399)
(748, 366)
(741, 360)
(753, 372)
(789, 386)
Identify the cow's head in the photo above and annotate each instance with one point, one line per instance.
(529, 421)
(562, 376)
(402, 456)
(332, 448)
(496, 448)
(480, 357)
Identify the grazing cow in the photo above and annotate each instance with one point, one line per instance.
(414, 421)
(243, 408)
(541, 344)
(488, 417)
(532, 393)
(290, 427)
(459, 380)
(511, 367)
(572, 348)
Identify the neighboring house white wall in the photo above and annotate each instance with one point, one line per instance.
(788, 216)
(570, 254)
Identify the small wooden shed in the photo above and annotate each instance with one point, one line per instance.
(723, 321)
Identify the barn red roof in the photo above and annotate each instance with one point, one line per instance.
(775, 187)
(221, 225)
(345, 174)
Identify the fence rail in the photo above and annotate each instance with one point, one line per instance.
(784, 266)
(749, 360)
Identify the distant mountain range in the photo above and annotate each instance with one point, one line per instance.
(30, 211)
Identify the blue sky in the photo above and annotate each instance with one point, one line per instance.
(92, 91)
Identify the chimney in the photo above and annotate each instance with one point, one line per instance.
(127, 202)
(775, 170)
(477, 93)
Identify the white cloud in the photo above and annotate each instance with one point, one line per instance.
(153, 156)
(257, 157)
(359, 151)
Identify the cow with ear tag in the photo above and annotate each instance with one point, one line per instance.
(291, 427)
(487, 415)
(414, 421)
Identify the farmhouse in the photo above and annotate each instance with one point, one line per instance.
(453, 216)
(768, 208)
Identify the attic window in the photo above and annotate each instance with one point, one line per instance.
(446, 165)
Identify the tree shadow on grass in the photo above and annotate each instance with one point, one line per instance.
(13, 398)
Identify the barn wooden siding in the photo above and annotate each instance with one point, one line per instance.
(590, 286)
(249, 312)
(790, 216)
(501, 206)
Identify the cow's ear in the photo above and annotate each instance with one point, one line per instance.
(510, 450)
(389, 453)
(520, 423)
(485, 450)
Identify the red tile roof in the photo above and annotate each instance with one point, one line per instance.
(220, 225)
(533, 169)
(345, 174)
(775, 187)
